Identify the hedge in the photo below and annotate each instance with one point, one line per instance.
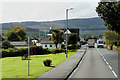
(13, 52)
(57, 50)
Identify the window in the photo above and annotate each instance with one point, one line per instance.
(50, 45)
(45, 45)
(100, 42)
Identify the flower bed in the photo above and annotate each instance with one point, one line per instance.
(47, 62)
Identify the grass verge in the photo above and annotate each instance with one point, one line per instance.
(14, 67)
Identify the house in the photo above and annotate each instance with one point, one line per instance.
(71, 30)
(19, 44)
(34, 41)
(46, 43)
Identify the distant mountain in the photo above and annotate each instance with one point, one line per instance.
(87, 26)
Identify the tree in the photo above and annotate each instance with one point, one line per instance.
(111, 36)
(110, 13)
(16, 34)
(6, 45)
(73, 38)
(12, 36)
(57, 36)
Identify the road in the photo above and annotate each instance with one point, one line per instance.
(92, 66)
(111, 57)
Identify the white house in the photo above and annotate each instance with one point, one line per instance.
(46, 43)
(34, 41)
(19, 44)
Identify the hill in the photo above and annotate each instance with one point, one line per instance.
(87, 26)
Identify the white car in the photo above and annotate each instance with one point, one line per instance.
(100, 43)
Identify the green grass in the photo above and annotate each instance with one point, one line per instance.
(14, 67)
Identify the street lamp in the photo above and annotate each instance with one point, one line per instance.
(67, 29)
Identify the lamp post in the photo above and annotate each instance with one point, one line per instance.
(67, 29)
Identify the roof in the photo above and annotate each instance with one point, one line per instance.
(46, 40)
(72, 30)
(18, 43)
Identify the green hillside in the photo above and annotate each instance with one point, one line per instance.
(87, 26)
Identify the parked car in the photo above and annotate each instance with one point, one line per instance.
(91, 43)
(100, 43)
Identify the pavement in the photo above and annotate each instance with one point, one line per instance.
(65, 68)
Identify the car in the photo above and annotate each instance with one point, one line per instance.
(100, 43)
(91, 43)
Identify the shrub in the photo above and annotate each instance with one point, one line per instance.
(82, 42)
(6, 45)
(62, 46)
(46, 51)
(72, 46)
(12, 52)
(57, 50)
(47, 62)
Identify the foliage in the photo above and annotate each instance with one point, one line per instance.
(82, 42)
(6, 45)
(16, 34)
(10, 52)
(109, 12)
(73, 38)
(72, 46)
(47, 62)
(57, 36)
(112, 36)
(57, 50)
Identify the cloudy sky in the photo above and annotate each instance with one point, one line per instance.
(32, 10)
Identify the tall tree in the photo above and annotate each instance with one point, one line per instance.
(110, 13)
(57, 36)
(16, 33)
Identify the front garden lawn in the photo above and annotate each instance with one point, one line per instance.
(14, 67)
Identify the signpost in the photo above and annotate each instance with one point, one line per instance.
(28, 54)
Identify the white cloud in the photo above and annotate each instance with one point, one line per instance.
(46, 11)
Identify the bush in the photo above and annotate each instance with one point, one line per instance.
(12, 52)
(72, 46)
(57, 50)
(47, 62)
(6, 45)
(46, 51)
(82, 42)
(62, 46)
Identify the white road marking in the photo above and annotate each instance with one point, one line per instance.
(114, 73)
(107, 64)
(110, 67)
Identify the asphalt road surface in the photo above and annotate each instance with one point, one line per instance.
(111, 57)
(92, 66)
